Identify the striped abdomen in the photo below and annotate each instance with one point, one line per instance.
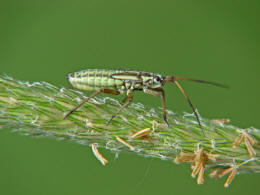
(95, 79)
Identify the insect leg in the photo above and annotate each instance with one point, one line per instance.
(129, 100)
(191, 105)
(159, 92)
(109, 91)
(125, 99)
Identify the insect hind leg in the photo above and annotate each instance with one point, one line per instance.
(108, 91)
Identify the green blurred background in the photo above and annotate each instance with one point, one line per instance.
(211, 40)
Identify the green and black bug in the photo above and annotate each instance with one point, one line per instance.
(118, 81)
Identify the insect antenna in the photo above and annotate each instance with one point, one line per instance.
(202, 81)
(173, 79)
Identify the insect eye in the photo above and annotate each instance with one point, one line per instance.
(156, 78)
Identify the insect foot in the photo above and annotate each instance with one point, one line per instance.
(109, 121)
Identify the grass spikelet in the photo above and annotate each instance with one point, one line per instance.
(38, 109)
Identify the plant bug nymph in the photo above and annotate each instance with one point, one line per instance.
(118, 81)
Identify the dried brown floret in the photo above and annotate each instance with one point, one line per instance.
(125, 143)
(184, 158)
(220, 172)
(231, 176)
(98, 155)
(221, 121)
(141, 133)
(232, 171)
(198, 161)
(248, 141)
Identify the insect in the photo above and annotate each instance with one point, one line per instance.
(117, 82)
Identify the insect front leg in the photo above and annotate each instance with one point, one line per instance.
(129, 100)
(109, 91)
(159, 92)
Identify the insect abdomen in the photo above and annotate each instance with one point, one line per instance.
(94, 79)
